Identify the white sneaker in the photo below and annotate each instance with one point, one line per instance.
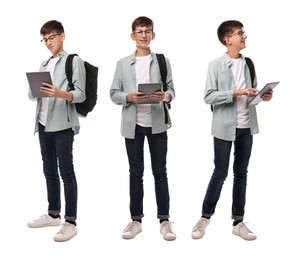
(167, 231)
(199, 229)
(44, 221)
(67, 232)
(132, 229)
(242, 231)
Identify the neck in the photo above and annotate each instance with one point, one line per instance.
(233, 54)
(56, 54)
(142, 52)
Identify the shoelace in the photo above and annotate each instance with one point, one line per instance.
(247, 229)
(39, 218)
(168, 227)
(130, 227)
(200, 226)
(64, 229)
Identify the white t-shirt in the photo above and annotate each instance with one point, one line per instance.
(142, 72)
(45, 100)
(240, 83)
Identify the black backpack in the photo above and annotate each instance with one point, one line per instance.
(90, 88)
(252, 72)
(163, 71)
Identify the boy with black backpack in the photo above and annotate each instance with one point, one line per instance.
(140, 121)
(56, 123)
(227, 89)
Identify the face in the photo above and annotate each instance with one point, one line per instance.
(237, 39)
(54, 42)
(143, 35)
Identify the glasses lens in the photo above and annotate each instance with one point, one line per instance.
(51, 38)
(140, 32)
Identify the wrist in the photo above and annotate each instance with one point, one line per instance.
(167, 97)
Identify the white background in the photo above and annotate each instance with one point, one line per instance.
(99, 31)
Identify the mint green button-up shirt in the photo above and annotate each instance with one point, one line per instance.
(124, 82)
(219, 92)
(62, 114)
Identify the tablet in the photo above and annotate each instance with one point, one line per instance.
(150, 88)
(258, 97)
(35, 80)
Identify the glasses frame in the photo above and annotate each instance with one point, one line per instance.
(239, 33)
(50, 38)
(148, 32)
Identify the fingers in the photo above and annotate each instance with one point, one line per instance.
(50, 90)
(158, 96)
(267, 96)
(251, 91)
(139, 97)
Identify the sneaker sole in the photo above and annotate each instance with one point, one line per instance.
(194, 237)
(126, 237)
(248, 239)
(44, 225)
(169, 238)
(57, 239)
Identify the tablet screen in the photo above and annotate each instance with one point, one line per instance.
(35, 81)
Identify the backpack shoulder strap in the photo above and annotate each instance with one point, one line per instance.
(163, 69)
(69, 69)
(163, 72)
(251, 68)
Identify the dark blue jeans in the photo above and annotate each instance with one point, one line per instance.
(158, 151)
(57, 157)
(242, 153)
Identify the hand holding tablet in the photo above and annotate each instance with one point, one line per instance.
(148, 89)
(258, 97)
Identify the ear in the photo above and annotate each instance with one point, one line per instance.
(227, 40)
(153, 35)
(63, 36)
(132, 36)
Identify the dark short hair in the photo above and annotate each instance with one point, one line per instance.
(142, 21)
(51, 26)
(226, 28)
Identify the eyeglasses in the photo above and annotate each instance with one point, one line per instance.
(50, 38)
(239, 33)
(147, 32)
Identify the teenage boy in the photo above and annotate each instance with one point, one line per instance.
(144, 120)
(57, 123)
(228, 87)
